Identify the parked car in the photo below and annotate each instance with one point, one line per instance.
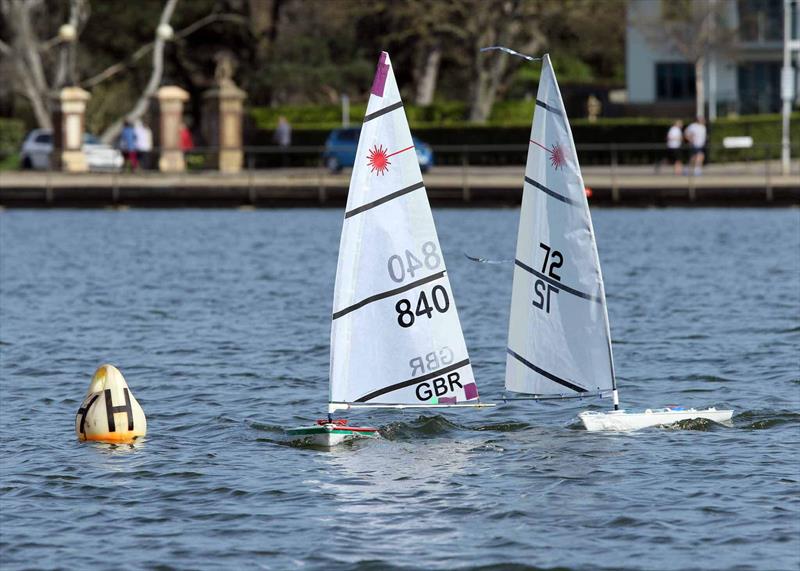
(341, 146)
(38, 146)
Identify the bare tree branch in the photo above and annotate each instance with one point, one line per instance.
(23, 51)
(155, 76)
(116, 68)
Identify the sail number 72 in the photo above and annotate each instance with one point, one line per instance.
(541, 290)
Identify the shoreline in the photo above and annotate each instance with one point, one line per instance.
(631, 186)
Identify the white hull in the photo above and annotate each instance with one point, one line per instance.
(620, 420)
(329, 435)
(332, 439)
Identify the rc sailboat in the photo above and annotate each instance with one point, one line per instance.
(559, 341)
(396, 340)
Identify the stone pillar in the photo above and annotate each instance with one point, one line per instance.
(170, 100)
(68, 128)
(222, 126)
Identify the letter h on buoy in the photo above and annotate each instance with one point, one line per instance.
(111, 409)
(92, 424)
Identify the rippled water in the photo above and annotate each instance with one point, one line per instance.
(220, 322)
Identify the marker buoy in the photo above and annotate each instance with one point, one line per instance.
(588, 192)
(110, 413)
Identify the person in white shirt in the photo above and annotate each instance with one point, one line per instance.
(696, 134)
(144, 142)
(674, 143)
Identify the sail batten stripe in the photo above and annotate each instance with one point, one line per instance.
(547, 374)
(384, 111)
(550, 108)
(414, 381)
(552, 193)
(383, 199)
(556, 283)
(390, 293)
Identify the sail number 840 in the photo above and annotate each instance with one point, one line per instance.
(439, 298)
(400, 266)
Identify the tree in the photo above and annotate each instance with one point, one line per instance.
(512, 23)
(429, 29)
(27, 21)
(692, 28)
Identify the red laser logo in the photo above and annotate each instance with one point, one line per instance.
(557, 157)
(378, 158)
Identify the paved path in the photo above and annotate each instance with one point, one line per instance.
(739, 183)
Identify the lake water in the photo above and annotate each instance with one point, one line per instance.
(220, 321)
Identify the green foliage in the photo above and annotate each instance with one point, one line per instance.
(512, 112)
(319, 116)
(12, 132)
(438, 113)
(766, 132)
(299, 115)
(107, 102)
(448, 139)
(10, 163)
(195, 161)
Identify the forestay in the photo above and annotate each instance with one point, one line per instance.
(396, 336)
(558, 339)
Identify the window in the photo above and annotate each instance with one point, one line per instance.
(675, 81)
(759, 87)
(760, 20)
(44, 138)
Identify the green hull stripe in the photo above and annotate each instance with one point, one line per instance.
(305, 431)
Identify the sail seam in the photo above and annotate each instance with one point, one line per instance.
(546, 374)
(413, 381)
(557, 284)
(550, 108)
(384, 111)
(552, 193)
(390, 293)
(383, 199)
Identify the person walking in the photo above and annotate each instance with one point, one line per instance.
(144, 143)
(696, 134)
(283, 136)
(187, 143)
(127, 144)
(674, 144)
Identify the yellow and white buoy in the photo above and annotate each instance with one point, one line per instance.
(110, 413)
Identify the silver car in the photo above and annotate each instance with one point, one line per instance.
(38, 146)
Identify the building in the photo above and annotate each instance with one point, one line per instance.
(742, 73)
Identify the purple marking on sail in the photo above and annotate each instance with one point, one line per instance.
(380, 76)
(447, 400)
(471, 391)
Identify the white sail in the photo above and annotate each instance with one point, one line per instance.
(396, 336)
(558, 337)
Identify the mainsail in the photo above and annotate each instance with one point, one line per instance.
(558, 336)
(396, 337)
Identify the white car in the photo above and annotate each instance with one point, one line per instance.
(38, 146)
